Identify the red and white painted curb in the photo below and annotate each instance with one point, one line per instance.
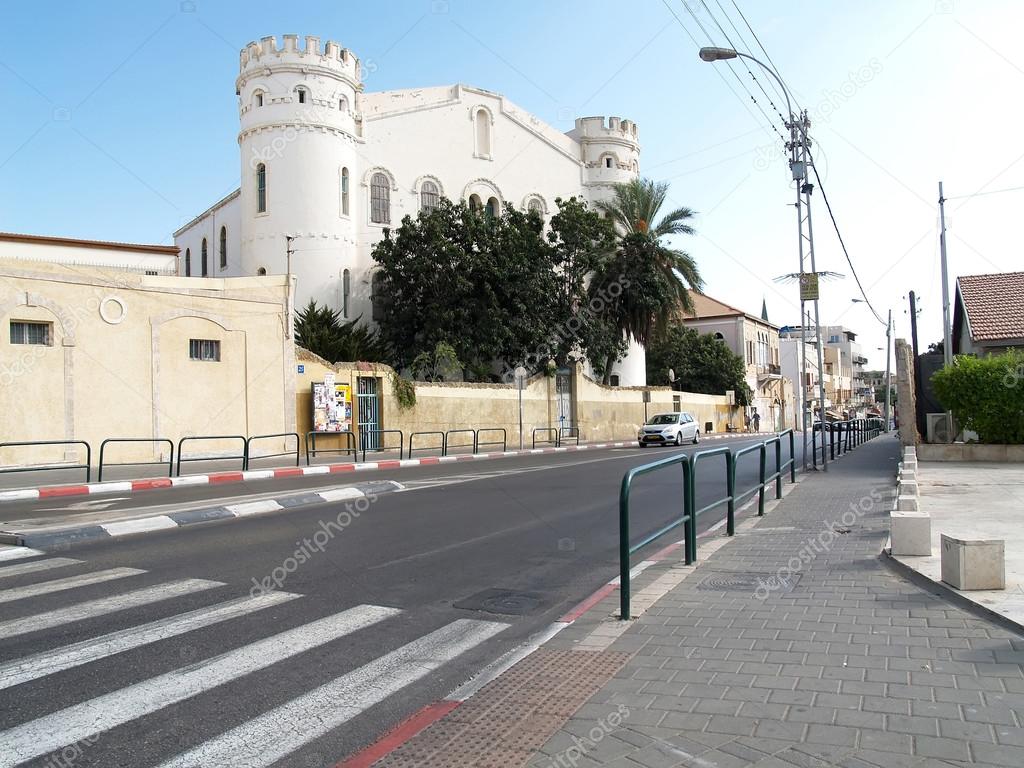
(153, 483)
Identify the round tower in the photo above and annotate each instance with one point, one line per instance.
(300, 127)
(609, 151)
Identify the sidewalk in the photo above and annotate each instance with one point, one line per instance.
(791, 644)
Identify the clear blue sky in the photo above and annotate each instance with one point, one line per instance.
(120, 119)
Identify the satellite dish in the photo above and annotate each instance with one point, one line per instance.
(671, 375)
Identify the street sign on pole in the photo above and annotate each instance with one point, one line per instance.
(808, 286)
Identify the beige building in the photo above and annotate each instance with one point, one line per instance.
(93, 352)
(756, 341)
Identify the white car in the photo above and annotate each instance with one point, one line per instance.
(669, 429)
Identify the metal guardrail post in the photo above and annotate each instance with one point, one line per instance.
(504, 438)
(760, 492)
(443, 446)
(730, 488)
(792, 455)
(814, 446)
(24, 444)
(184, 440)
(169, 462)
(624, 552)
(248, 448)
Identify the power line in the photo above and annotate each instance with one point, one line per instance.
(743, 85)
(982, 194)
(763, 50)
(748, 47)
(846, 253)
(745, 65)
(718, 72)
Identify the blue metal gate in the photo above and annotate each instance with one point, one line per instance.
(368, 409)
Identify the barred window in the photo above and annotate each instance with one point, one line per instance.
(204, 349)
(429, 196)
(25, 332)
(380, 199)
(261, 188)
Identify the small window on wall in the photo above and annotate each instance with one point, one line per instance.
(26, 332)
(262, 271)
(607, 162)
(258, 98)
(429, 196)
(344, 191)
(261, 188)
(207, 350)
(614, 379)
(204, 259)
(302, 95)
(676, 403)
(188, 262)
(346, 290)
(493, 207)
(223, 247)
(377, 298)
(380, 199)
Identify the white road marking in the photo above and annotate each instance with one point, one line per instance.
(340, 494)
(17, 553)
(110, 487)
(501, 665)
(253, 507)
(36, 566)
(51, 732)
(59, 585)
(141, 525)
(103, 606)
(56, 660)
(263, 741)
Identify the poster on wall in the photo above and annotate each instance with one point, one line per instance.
(332, 406)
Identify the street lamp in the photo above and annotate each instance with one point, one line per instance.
(888, 355)
(799, 161)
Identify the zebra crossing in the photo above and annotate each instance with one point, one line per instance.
(255, 640)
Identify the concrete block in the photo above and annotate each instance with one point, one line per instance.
(985, 453)
(907, 475)
(906, 503)
(970, 565)
(908, 488)
(911, 533)
(1015, 453)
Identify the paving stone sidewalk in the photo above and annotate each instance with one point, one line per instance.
(840, 662)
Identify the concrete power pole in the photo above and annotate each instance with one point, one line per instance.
(947, 345)
(888, 355)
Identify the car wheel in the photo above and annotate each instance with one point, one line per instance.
(696, 436)
(679, 438)
(641, 444)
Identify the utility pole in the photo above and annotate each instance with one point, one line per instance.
(947, 345)
(804, 188)
(288, 278)
(888, 355)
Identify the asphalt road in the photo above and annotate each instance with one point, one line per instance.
(542, 528)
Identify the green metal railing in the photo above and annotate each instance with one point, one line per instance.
(690, 512)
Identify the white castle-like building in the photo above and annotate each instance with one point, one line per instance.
(326, 167)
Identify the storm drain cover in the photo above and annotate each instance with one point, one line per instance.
(504, 601)
(723, 581)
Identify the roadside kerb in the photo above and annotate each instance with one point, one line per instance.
(156, 483)
(60, 538)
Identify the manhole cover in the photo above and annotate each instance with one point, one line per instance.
(746, 582)
(504, 601)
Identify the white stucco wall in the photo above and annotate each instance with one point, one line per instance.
(410, 136)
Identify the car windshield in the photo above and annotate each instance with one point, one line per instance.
(664, 418)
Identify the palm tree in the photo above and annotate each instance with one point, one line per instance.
(633, 208)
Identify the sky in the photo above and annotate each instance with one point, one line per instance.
(120, 121)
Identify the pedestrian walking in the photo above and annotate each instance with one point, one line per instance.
(757, 421)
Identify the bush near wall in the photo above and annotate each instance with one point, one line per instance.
(986, 395)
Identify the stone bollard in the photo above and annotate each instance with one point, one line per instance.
(969, 565)
(910, 533)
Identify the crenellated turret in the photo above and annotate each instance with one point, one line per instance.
(610, 148)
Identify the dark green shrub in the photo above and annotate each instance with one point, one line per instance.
(986, 395)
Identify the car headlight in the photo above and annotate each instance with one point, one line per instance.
(667, 431)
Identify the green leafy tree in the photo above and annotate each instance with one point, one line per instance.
(483, 285)
(635, 210)
(986, 395)
(701, 363)
(321, 330)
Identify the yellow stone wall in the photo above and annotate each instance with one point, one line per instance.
(118, 362)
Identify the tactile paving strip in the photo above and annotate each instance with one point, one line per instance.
(513, 716)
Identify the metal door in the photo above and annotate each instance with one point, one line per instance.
(563, 399)
(369, 412)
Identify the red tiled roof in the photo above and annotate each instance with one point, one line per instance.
(994, 305)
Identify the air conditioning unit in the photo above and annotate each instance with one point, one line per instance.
(938, 428)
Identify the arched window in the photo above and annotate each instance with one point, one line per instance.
(380, 199)
(188, 262)
(343, 104)
(536, 206)
(344, 191)
(303, 94)
(429, 196)
(475, 204)
(257, 98)
(377, 297)
(482, 121)
(262, 271)
(203, 259)
(223, 247)
(346, 289)
(719, 336)
(261, 188)
(493, 207)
